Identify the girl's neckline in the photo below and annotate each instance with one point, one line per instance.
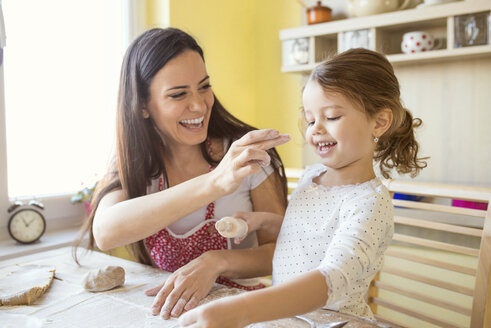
(321, 169)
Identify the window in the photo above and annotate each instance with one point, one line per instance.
(61, 71)
(61, 68)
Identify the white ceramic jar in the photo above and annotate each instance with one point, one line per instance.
(358, 8)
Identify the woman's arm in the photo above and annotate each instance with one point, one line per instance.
(119, 221)
(255, 262)
(266, 223)
(299, 295)
(267, 197)
(191, 283)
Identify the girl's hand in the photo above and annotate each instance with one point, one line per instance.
(225, 312)
(184, 289)
(245, 157)
(269, 222)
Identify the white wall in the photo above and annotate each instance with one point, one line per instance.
(454, 101)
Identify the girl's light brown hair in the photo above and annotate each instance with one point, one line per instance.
(367, 78)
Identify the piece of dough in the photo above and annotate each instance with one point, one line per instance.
(26, 284)
(99, 280)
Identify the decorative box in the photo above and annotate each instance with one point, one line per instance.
(471, 30)
(296, 52)
(355, 39)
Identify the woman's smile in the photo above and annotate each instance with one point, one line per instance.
(193, 124)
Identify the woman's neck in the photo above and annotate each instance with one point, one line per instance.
(184, 162)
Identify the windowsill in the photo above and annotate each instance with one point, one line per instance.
(9, 248)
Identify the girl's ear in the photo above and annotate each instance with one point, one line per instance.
(383, 120)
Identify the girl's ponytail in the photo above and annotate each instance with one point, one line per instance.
(398, 148)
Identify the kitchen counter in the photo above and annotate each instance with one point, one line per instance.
(67, 304)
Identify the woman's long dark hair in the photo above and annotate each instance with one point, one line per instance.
(139, 147)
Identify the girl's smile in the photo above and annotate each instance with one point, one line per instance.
(324, 148)
(340, 133)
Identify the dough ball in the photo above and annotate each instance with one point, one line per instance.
(106, 278)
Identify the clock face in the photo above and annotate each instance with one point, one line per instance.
(26, 226)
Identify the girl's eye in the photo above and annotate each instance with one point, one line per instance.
(333, 118)
(206, 86)
(310, 123)
(177, 95)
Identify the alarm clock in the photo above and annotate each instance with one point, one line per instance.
(26, 224)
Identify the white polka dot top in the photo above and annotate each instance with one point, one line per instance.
(341, 231)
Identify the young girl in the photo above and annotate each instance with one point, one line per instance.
(339, 221)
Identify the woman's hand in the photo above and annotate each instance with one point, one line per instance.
(245, 157)
(266, 221)
(187, 286)
(227, 312)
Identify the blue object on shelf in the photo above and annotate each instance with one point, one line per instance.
(413, 198)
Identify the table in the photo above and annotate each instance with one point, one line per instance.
(67, 304)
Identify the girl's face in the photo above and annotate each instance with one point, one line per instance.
(181, 100)
(341, 134)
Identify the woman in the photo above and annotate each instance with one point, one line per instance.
(177, 168)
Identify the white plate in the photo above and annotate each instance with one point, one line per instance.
(423, 5)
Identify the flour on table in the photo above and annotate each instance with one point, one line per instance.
(219, 291)
(10, 320)
(24, 285)
(106, 278)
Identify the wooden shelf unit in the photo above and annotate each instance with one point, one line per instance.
(386, 32)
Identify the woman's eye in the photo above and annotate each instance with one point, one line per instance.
(206, 86)
(177, 95)
(310, 123)
(333, 118)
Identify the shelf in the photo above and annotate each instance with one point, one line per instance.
(439, 55)
(395, 18)
(385, 34)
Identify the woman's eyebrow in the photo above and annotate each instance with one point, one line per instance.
(204, 79)
(186, 86)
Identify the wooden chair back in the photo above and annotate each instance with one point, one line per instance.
(292, 177)
(437, 269)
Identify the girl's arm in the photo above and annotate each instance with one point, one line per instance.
(119, 221)
(300, 295)
(191, 283)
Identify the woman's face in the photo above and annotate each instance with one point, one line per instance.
(181, 100)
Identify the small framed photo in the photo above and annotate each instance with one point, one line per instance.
(296, 52)
(355, 39)
(472, 30)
